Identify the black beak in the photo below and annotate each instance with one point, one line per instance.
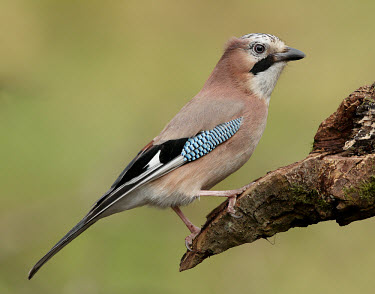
(289, 54)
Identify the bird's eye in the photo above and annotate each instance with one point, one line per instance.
(259, 48)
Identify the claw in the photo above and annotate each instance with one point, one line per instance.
(189, 239)
(193, 229)
(187, 244)
(233, 199)
(235, 216)
(233, 212)
(230, 208)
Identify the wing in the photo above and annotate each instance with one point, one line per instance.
(158, 160)
(151, 163)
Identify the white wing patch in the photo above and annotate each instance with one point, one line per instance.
(170, 166)
(151, 166)
(154, 161)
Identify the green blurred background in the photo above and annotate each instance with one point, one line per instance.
(85, 84)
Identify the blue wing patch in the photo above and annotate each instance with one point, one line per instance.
(206, 141)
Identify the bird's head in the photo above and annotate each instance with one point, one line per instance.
(257, 60)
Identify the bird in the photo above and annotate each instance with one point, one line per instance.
(210, 138)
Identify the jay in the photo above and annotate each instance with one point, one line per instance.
(212, 136)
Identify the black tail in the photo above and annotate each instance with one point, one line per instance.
(78, 229)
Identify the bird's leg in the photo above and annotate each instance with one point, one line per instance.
(193, 229)
(230, 194)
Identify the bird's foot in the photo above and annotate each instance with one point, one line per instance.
(189, 239)
(233, 199)
(193, 229)
(230, 208)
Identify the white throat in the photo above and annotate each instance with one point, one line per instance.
(263, 83)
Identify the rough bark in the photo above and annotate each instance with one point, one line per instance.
(336, 181)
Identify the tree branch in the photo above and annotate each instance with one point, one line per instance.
(336, 181)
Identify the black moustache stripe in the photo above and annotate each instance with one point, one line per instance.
(262, 65)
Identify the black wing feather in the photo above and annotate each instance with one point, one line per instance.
(168, 151)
